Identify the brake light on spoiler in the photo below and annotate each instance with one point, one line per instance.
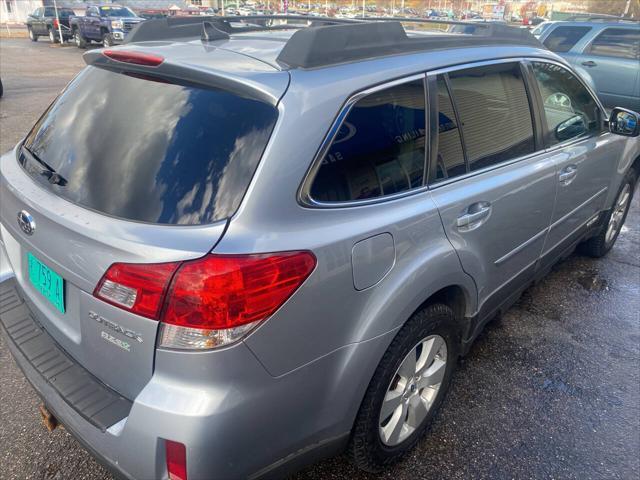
(134, 57)
(208, 302)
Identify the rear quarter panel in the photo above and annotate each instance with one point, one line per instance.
(327, 312)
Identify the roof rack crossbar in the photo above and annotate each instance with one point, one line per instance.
(185, 27)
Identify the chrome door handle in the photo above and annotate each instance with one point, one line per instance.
(568, 173)
(590, 63)
(475, 213)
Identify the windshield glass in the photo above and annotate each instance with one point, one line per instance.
(116, 12)
(540, 29)
(147, 150)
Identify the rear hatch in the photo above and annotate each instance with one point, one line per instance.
(122, 168)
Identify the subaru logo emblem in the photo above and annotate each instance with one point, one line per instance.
(26, 222)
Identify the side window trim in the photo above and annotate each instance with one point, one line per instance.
(456, 113)
(535, 105)
(548, 146)
(304, 191)
(433, 138)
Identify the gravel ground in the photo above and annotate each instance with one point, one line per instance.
(550, 390)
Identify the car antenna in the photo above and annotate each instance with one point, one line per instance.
(210, 33)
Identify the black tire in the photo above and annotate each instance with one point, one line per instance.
(32, 36)
(599, 245)
(79, 39)
(107, 41)
(52, 36)
(367, 449)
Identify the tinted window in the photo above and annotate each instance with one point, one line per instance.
(562, 39)
(617, 42)
(540, 29)
(494, 112)
(450, 160)
(379, 149)
(116, 12)
(150, 151)
(569, 108)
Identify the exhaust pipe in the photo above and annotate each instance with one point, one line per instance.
(48, 419)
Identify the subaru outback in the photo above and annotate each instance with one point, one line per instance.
(232, 247)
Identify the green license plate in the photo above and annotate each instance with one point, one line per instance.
(47, 282)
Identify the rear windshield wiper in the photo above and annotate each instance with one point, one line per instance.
(49, 173)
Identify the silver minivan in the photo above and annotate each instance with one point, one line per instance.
(232, 247)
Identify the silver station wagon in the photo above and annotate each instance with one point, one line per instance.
(234, 246)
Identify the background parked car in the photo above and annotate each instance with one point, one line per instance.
(43, 22)
(108, 24)
(605, 53)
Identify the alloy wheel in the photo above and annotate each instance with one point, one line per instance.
(413, 390)
(617, 216)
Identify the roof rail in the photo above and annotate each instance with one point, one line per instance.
(323, 41)
(596, 19)
(330, 45)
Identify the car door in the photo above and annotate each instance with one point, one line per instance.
(37, 23)
(612, 60)
(573, 130)
(92, 24)
(47, 19)
(492, 183)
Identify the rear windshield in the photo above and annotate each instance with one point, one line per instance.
(149, 151)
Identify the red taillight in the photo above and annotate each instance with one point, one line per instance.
(176, 460)
(55, 23)
(225, 291)
(207, 302)
(135, 58)
(139, 288)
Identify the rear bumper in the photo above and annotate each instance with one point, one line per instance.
(236, 420)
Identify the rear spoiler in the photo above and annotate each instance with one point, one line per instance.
(175, 72)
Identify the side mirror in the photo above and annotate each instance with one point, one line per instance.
(624, 122)
(571, 128)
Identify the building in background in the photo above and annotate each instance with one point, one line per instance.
(16, 11)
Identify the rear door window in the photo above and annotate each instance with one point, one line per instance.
(570, 110)
(379, 149)
(563, 38)
(493, 109)
(450, 161)
(147, 150)
(617, 42)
